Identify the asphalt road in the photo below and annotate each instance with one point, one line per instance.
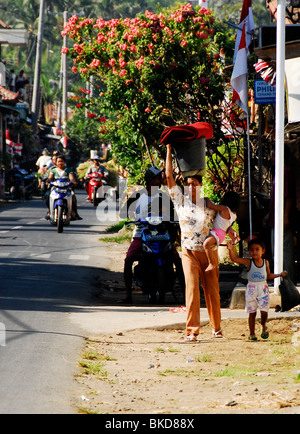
(44, 278)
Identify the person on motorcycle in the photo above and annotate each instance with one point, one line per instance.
(60, 171)
(98, 168)
(52, 162)
(138, 207)
(43, 160)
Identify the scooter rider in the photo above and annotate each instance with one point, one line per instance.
(137, 207)
(95, 167)
(60, 171)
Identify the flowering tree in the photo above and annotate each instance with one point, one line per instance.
(152, 71)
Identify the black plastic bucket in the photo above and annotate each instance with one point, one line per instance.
(190, 156)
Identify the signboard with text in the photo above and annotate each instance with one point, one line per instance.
(264, 93)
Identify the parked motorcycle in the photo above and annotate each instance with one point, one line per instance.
(60, 203)
(96, 190)
(21, 184)
(155, 273)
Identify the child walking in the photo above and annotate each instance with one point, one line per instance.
(226, 215)
(257, 290)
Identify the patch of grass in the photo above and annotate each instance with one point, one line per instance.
(117, 227)
(93, 368)
(82, 410)
(90, 355)
(180, 373)
(235, 371)
(203, 358)
(123, 233)
(92, 363)
(94, 355)
(120, 239)
(164, 350)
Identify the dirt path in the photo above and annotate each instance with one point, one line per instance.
(156, 372)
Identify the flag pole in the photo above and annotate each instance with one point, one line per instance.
(249, 155)
(279, 143)
(249, 175)
(239, 82)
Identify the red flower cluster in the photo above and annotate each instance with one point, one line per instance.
(129, 55)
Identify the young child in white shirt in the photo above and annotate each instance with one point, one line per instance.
(257, 290)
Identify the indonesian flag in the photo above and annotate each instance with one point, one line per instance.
(7, 138)
(18, 148)
(64, 141)
(239, 78)
(246, 18)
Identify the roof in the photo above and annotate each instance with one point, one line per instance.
(8, 97)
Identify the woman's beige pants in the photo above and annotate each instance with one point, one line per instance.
(194, 264)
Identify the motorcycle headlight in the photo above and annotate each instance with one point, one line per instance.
(154, 221)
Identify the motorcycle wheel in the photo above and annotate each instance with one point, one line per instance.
(156, 282)
(60, 223)
(95, 200)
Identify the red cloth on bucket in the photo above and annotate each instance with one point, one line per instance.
(185, 133)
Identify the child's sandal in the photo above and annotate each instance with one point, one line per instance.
(264, 333)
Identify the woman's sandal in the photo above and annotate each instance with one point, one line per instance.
(217, 334)
(191, 338)
(264, 333)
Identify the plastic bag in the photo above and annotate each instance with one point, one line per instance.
(290, 296)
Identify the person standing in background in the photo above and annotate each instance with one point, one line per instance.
(12, 81)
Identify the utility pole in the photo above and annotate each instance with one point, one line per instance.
(64, 80)
(279, 142)
(37, 74)
(62, 115)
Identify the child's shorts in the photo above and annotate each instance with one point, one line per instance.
(218, 234)
(257, 295)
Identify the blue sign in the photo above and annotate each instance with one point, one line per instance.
(264, 93)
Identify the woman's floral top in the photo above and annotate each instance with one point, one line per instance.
(195, 219)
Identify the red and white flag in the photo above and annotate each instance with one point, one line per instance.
(246, 18)
(18, 148)
(64, 141)
(239, 77)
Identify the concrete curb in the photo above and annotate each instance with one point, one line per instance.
(238, 297)
(104, 320)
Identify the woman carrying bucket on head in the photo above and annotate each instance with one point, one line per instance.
(195, 220)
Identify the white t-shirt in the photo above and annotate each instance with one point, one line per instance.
(43, 160)
(224, 224)
(158, 204)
